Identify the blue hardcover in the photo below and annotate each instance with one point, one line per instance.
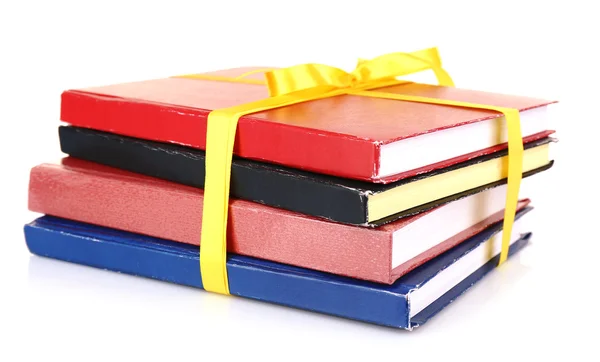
(256, 278)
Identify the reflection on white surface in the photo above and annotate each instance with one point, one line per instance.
(45, 273)
(162, 321)
(51, 276)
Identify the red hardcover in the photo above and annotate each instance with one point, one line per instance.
(340, 136)
(91, 193)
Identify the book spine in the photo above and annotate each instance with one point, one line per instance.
(266, 184)
(121, 200)
(107, 250)
(297, 147)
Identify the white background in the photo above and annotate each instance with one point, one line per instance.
(540, 304)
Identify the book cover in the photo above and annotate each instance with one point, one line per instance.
(348, 136)
(329, 197)
(100, 195)
(409, 302)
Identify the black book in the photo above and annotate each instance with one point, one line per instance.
(333, 198)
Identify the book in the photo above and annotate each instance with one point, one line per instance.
(409, 302)
(372, 139)
(100, 195)
(329, 197)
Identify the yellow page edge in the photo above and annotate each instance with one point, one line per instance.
(436, 187)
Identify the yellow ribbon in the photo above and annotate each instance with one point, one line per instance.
(306, 82)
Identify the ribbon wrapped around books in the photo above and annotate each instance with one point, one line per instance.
(307, 82)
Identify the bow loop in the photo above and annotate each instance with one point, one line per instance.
(367, 74)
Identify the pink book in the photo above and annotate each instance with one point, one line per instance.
(96, 194)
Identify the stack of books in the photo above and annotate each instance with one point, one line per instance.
(377, 210)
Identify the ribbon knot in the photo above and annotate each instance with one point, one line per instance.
(349, 80)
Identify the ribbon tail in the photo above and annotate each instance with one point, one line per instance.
(515, 174)
(213, 247)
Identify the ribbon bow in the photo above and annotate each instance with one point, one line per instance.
(368, 74)
(307, 82)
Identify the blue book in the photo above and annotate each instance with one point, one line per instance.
(409, 302)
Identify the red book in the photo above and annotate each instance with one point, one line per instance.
(88, 192)
(364, 138)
